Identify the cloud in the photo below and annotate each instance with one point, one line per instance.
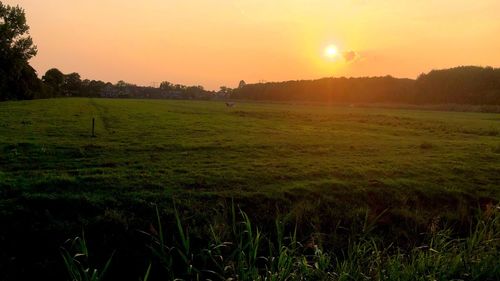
(350, 56)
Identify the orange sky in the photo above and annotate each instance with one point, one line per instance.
(219, 42)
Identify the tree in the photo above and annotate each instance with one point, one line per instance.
(463, 85)
(18, 80)
(224, 92)
(27, 85)
(92, 88)
(242, 84)
(122, 84)
(193, 92)
(72, 84)
(54, 80)
(165, 85)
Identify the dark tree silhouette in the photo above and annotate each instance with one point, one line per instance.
(72, 84)
(18, 79)
(460, 85)
(54, 80)
(91, 88)
(165, 85)
(343, 90)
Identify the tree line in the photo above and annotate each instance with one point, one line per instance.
(57, 84)
(335, 90)
(18, 80)
(459, 85)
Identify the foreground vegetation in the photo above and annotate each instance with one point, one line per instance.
(324, 169)
(240, 251)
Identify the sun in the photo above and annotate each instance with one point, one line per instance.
(331, 51)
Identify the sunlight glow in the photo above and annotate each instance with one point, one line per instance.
(156, 40)
(331, 52)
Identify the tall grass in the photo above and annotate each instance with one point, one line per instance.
(77, 262)
(246, 253)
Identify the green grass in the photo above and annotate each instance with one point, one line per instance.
(323, 168)
(77, 263)
(249, 254)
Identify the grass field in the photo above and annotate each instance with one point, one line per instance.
(321, 166)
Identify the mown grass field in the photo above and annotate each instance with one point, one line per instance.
(320, 166)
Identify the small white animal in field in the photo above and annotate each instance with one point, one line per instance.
(229, 104)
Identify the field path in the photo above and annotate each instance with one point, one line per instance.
(102, 113)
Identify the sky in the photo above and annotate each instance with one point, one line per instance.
(220, 42)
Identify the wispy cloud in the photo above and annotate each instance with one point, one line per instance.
(350, 56)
